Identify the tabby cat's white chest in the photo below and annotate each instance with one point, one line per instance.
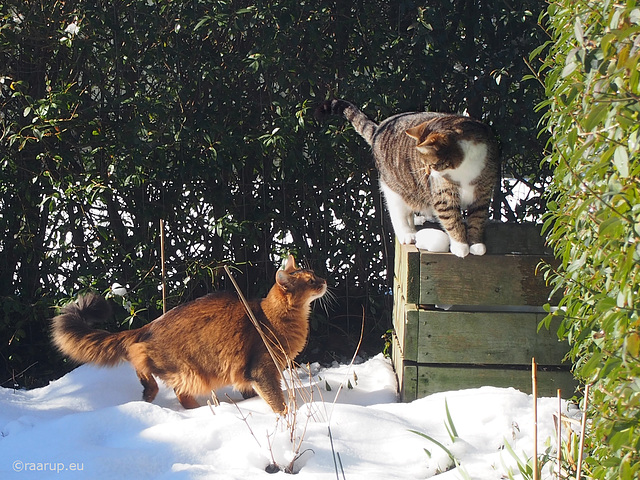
(475, 160)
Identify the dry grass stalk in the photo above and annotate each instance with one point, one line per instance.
(534, 388)
(284, 363)
(583, 428)
(294, 386)
(270, 343)
(164, 272)
(559, 432)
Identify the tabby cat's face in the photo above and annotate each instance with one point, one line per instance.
(440, 150)
(439, 162)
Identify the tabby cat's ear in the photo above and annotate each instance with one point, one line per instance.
(417, 131)
(433, 142)
(290, 265)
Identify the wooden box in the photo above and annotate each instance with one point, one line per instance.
(468, 322)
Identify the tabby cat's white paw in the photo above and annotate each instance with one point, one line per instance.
(459, 249)
(419, 219)
(433, 240)
(406, 238)
(478, 249)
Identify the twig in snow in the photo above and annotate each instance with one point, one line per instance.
(333, 451)
(582, 431)
(559, 434)
(340, 462)
(534, 385)
(244, 418)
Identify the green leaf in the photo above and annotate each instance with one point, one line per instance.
(597, 114)
(611, 227)
(605, 304)
(201, 23)
(578, 31)
(451, 428)
(433, 440)
(621, 160)
(632, 345)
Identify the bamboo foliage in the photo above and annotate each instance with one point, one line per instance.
(590, 71)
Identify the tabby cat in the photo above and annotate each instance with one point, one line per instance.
(204, 344)
(434, 164)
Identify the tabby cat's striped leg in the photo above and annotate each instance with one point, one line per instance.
(447, 207)
(477, 214)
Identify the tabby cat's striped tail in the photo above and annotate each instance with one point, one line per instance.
(363, 125)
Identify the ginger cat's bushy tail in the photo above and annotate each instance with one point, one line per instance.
(74, 337)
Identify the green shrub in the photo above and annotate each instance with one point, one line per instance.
(114, 115)
(591, 75)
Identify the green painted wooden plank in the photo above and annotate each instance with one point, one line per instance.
(512, 238)
(411, 333)
(409, 388)
(433, 379)
(407, 271)
(406, 373)
(412, 274)
(489, 338)
(481, 280)
(397, 360)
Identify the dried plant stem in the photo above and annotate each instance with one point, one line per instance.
(244, 418)
(164, 272)
(335, 462)
(583, 428)
(277, 352)
(270, 443)
(267, 341)
(341, 467)
(534, 385)
(353, 359)
(559, 434)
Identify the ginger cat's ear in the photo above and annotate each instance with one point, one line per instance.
(282, 276)
(290, 265)
(417, 131)
(283, 279)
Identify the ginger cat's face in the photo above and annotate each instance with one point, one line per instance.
(301, 284)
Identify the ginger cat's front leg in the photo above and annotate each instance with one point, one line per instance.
(267, 383)
(187, 401)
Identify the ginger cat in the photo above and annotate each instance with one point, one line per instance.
(204, 344)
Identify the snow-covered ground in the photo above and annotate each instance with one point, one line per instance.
(92, 424)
